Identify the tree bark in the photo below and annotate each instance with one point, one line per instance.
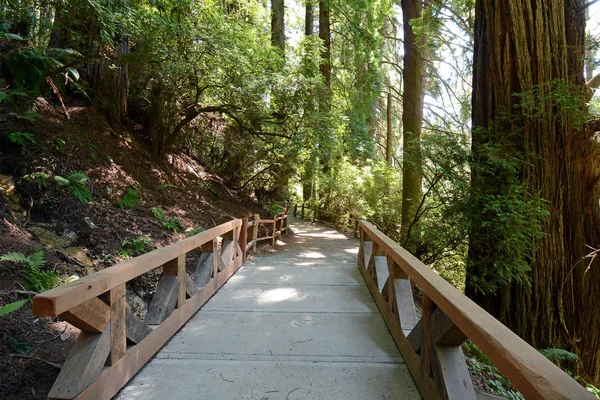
(521, 47)
(309, 19)
(390, 128)
(325, 36)
(277, 24)
(412, 117)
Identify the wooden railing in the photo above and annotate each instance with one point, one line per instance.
(431, 346)
(114, 343)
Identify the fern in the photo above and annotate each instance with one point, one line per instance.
(76, 182)
(170, 224)
(131, 199)
(34, 278)
(10, 307)
(558, 355)
(22, 138)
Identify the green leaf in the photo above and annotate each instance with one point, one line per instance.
(10, 307)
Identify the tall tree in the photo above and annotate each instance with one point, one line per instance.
(412, 118)
(309, 18)
(277, 24)
(389, 144)
(551, 300)
(325, 36)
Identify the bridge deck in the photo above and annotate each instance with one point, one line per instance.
(298, 324)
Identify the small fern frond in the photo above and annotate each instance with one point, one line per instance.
(10, 307)
(558, 355)
(36, 260)
(18, 258)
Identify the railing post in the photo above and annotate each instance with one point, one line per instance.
(355, 233)
(177, 267)
(295, 210)
(244, 238)
(255, 231)
(118, 329)
(274, 239)
(302, 210)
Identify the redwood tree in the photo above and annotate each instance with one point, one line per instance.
(277, 24)
(528, 91)
(413, 78)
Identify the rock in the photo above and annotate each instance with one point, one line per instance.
(89, 223)
(136, 304)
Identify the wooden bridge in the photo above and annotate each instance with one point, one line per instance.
(298, 324)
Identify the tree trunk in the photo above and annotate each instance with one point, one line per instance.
(325, 36)
(520, 49)
(277, 24)
(109, 82)
(389, 146)
(309, 19)
(412, 117)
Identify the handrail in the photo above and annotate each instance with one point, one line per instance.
(97, 305)
(61, 299)
(529, 371)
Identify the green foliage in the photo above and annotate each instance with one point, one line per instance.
(191, 231)
(33, 276)
(169, 223)
(27, 115)
(17, 343)
(274, 208)
(10, 307)
(131, 199)
(40, 179)
(493, 381)
(165, 187)
(558, 355)
(21, 138)
(135, 247)
(76, 182)
(57, 143)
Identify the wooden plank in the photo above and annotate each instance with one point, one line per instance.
(176, 267)
(190, 288)
(114, 378)
(63, 298)
(274, 240)
(405, 305)
(91, 316)
(453, 377)
(529, 371)
(266, 221)
(443, 331)
(118, 324)
(250, 245)
(137, 330)
(367, 251)
(227, 254)
(83, 365)
(381, 271)
(204, 270)
(164, 300)
(243, 239)
(424, 383)
(255, 231)
(414, 337)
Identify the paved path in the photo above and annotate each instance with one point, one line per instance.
(297, 324)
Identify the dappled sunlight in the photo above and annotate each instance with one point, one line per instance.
(306, 264)
(280, 294)
(325, 235)
(312, 254)
(353, 250)
(265, 268)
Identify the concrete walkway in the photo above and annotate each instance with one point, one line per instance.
(297, 324)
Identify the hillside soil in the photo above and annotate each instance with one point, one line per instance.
(79, 238)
